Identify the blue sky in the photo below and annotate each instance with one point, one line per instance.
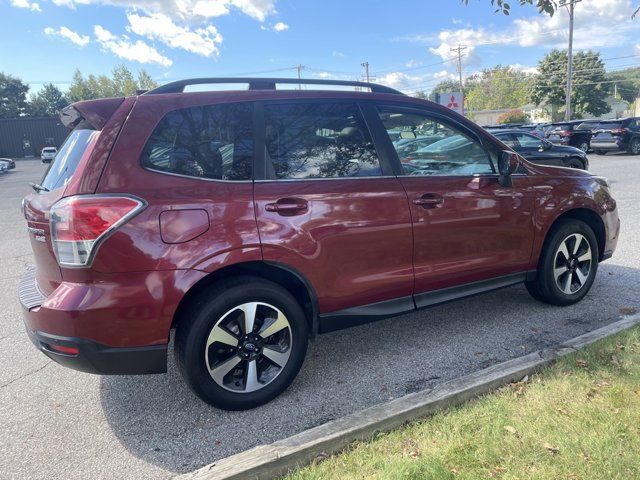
(407, 43)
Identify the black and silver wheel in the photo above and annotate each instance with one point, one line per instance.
(574, 162)
(567, 266)
(634, 146)
(243, 345)
(584, 146)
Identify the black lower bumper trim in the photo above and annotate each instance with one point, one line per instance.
(606, 255)
(96, 358)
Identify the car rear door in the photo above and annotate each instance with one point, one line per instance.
(467, 227)
(329, 207)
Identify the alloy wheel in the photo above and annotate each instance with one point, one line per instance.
(248, 347)
(572, 263)
(635, 147)
(584, 146)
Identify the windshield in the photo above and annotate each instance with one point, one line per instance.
(66, 161)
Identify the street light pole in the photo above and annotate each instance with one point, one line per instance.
(570, 4)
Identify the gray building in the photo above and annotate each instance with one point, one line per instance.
(25, 136)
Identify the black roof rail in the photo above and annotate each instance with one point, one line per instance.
(267, 84)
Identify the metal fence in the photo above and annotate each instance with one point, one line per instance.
(25, 137)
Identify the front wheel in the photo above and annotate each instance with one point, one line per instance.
(567, 266)
(584, 146)
(634, 146)
(242, 343)
(575, 163)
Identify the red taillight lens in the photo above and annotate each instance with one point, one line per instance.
(618, 131)
(78, 224)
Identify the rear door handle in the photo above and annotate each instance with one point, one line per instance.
(288, 206)
(429, 200)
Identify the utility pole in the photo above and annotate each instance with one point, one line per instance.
(459, 49)
(299, 67)
(366, 70)
(570, 4)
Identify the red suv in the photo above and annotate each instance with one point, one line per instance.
(250, 220)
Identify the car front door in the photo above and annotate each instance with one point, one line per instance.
(330, 207)
(468, 229)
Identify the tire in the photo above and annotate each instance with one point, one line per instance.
(217, 315)
(580, 268)
(575, 162)
(584, 146)
(600, 152)
(634, 147)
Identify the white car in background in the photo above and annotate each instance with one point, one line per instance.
(48, 153)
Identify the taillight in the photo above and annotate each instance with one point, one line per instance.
(80, 223)
(618, 131)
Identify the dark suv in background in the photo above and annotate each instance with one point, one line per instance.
(617, 135)
(248, 220)
(570, 133)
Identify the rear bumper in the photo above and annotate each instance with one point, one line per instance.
(117, 325)
(606, 145)
(92, 357)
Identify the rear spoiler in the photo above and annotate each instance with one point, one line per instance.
(95, 113)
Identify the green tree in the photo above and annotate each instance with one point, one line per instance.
(516, 115)
(47, 102)
(627, 82)
(498, 88)
(443, 87)
(121, 83)
(546, 6)
(13, 96)
(588, 92)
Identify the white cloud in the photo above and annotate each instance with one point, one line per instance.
(445, 75)
(524, 68)
(336, 54)
(280, 27)
(322, 74)
(64, 32)
(412, 63)
(185, 10)
(33, 6)
(202, 41)
(598, 23)
(123, 47)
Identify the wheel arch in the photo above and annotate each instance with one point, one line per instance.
(588, 216)
(283, 275)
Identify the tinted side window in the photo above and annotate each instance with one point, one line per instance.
(209, 142)
(319, 140)
(528, 141)
(507, 139)
(67, 159)
(444, 150)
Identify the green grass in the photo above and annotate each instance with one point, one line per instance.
(578, 419)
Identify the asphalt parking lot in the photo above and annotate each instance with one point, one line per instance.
(58, 423)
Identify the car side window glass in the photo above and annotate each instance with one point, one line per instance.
(318, 140)
(442, 149)
(528, 141)
(507, 139)
(213, 141)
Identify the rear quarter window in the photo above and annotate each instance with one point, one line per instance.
(213, 142)
(66, 160)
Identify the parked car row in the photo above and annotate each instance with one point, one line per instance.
(47, 154)
(6, 164)
(601, 136)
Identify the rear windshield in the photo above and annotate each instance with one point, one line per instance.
(609, 125)
(49, 149)
(66, 161)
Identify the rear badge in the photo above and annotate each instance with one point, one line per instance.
(38, 234)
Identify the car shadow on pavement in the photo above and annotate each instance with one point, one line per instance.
(159, 420)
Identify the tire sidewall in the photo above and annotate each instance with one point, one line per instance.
(552, 291)
(208, 312)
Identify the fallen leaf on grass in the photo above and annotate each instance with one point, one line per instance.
(615, 360)
(563, 411)
(582, 363)
(638, 392)
(510, 429)
(551, 448)
(602, 384)
(619, 347)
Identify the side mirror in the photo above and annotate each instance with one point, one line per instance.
(507, 164)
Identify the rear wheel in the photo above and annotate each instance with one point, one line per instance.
(575, 163)
(568, 265)
(584, 146)
(634, 146)
(242, 343)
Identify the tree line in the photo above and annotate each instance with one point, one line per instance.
(504, 87)
(15, 100)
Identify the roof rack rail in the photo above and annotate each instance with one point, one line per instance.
(267, 84)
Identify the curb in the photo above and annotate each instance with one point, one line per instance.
(278, 458)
